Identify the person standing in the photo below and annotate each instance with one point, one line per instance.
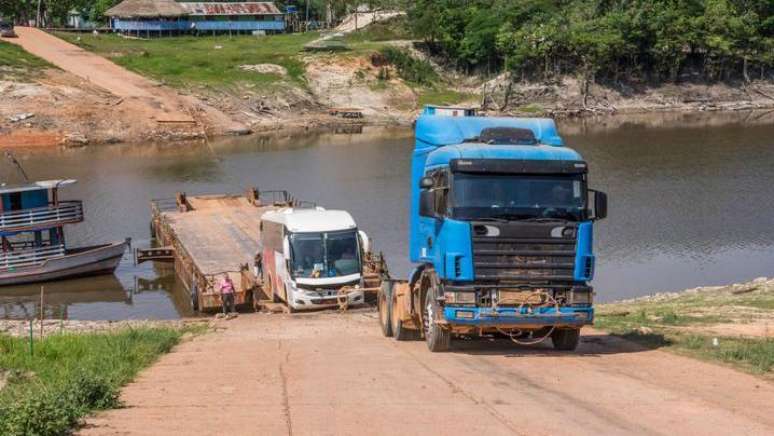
(227, 294)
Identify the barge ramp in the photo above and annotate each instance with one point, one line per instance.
(207, 236)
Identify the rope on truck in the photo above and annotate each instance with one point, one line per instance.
(544, 299)
(342, 297)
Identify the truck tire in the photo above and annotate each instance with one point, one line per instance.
(384, 303)
(438, 339)
(566, 339)
(399, 332)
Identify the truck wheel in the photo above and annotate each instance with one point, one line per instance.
(437, 338)
(566, 339)
(384, 303)
(399, 332)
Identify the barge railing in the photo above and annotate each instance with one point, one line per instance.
(65, 212)
(10, 260)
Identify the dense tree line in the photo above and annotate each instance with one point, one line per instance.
(653, 40)
(54, 12)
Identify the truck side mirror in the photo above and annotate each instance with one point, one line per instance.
(600, 205)
(426, 183)
(427, 203)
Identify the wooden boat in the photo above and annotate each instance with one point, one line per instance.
(32, 240)
(77, 262)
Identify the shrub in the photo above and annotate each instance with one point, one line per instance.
(409, 68)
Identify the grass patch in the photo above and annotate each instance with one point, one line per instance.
(533, 109)
(189, 60)
(680, 324)
(19, 62)
(70, 375)
(441, 96)
(390, 30)
(412, 70)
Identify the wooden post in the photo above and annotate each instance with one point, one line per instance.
(42, 312)
(31, 337)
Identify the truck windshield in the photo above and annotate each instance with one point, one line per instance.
(319, 255)
(518, 197)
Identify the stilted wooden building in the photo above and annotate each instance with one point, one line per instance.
(167, 17)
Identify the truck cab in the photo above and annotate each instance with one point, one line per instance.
(501, 230)
(312, 258)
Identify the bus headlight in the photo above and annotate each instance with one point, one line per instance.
(460, 297)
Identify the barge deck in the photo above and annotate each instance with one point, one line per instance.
(211, 235)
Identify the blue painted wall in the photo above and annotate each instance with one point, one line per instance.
(204, 25)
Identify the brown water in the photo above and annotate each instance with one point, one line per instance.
(690, 202)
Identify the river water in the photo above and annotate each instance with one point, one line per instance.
(691, 202)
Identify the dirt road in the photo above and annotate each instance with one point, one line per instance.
(154, 101)
(335, 374)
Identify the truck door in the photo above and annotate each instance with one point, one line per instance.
(430, 224)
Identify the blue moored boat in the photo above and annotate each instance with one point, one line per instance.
(32, 239)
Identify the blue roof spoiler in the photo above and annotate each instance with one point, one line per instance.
(439, 131)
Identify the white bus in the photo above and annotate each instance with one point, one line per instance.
(309, 255)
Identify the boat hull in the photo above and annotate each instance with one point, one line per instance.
(80, 262)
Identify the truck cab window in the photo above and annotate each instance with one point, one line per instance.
(441, 188)
(518, 197)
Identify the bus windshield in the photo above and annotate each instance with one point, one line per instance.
(320, 255)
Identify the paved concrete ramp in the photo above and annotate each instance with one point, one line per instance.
(334, 374)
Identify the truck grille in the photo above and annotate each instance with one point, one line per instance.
(524, 259)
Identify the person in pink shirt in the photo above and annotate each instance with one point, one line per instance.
(227, 294)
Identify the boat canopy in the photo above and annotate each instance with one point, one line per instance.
(35, 186)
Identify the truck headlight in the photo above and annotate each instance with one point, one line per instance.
(581, 297)
(460, 297)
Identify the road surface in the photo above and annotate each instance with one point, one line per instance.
(330, 373)
(148, 98)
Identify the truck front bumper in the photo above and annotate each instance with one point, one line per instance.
(505, 317)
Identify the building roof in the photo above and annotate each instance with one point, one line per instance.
(34, 186)
(312, 220)
(146, 9)
(241, 8)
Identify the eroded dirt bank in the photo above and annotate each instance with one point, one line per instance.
(90, 100)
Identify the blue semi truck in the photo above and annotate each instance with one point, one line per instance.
(501, 226)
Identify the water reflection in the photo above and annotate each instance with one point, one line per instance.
(690, 201)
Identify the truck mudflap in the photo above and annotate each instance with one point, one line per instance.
(518, 316)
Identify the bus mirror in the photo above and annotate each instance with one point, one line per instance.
(286, 248)
(365, 241)
(426, 183)
(427, 203)
(600, 205)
